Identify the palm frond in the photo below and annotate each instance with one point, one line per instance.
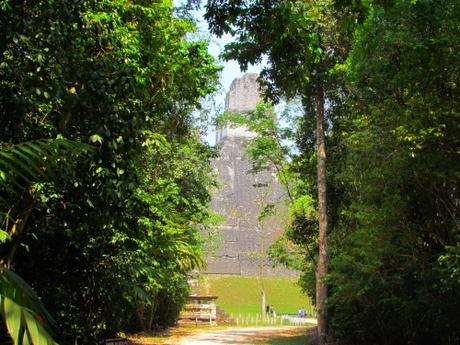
(21, 165)
(36, 161)
(189, 257)
(25, 317)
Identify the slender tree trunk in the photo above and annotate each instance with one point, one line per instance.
(140, 314)
(264, 303)
(151, 316)
(321, 271)
(261, 272)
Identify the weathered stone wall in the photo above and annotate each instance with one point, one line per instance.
(244, 94)
(243, 237)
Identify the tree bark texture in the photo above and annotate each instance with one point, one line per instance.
(322, 268)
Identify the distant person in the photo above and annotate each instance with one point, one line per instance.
(299, 313)
(267, 309)
(302, 312)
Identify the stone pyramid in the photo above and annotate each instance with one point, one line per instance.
(241, 237)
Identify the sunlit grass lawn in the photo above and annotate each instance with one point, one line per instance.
(239, 295)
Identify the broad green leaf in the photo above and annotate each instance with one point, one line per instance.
(4, 236)
(37, 333)
(26, 295)
(26, 340)
(5, 160)
(13, 316)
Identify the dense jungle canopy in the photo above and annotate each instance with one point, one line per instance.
(105, 181)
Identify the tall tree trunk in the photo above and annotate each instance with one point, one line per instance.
(261, 271)
(321, 271)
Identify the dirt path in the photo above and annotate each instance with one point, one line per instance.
(242, 336)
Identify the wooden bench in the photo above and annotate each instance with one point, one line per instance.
(199, 309)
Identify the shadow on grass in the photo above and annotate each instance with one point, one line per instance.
(290, 336)
(294, 340)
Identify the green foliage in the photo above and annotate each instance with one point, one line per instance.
(170, 300)
(26, 318)
(34, 161)
(26, 164)
(297, 39)
(392, 276)
(305, 45)
(102, 240)
(392, 137)
(266, 151)
(107, 245)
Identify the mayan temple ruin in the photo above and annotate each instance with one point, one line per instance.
(242, 237)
